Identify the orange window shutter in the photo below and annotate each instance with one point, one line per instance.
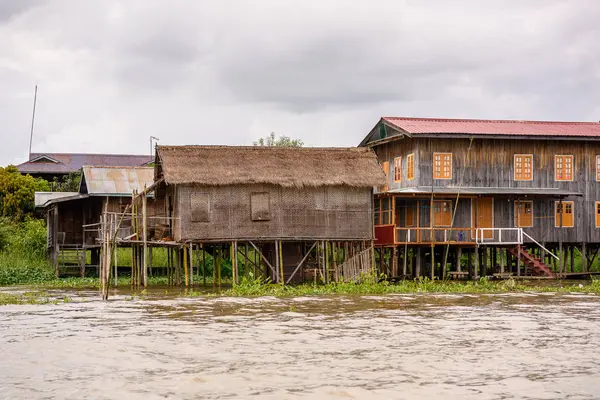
(386, 170)
(598, 215)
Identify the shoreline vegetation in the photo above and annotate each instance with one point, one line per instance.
(40, 293)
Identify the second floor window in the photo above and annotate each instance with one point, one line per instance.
(523, 167)
(410, 166)
(563, 168)
(398, 169)
(442, 165)
(598, 168)
(386, 170)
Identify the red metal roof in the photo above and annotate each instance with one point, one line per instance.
(494, 127)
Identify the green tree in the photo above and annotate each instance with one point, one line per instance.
(285, 141)
(69, 183)
(17, 193)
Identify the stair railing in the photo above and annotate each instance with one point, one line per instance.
(542, 247)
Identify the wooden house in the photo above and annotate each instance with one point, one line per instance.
(50, 166)
(73, 218)
(519, 197)
(287, 203)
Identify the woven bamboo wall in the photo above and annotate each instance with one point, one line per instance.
(273, 212)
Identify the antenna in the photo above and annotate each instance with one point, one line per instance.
(32, 120)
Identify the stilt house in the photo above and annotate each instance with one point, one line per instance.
(73, 220)
(519, 197)
(287, 203)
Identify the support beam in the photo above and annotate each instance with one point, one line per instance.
(263, 258)
(301, 262)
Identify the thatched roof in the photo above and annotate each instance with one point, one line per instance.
(283, 166)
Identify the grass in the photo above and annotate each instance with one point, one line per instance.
(249, 288)
(37, 297)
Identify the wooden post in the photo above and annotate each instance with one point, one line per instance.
(116, 264)
(219, 265)
(404, 259)
(186, 275)
(276, 261)
(214, 266)
(234, 262)
(372, 255)
(476, 266)
(203, 264)
(418, 263)
(458, 259)
(584, 259)
(560, 235)
(145, 239)
(281, 266)
(502, 260)
(470, 263)
(394, 262)
(572, 258)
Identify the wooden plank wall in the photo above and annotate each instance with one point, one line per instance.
(491, 163)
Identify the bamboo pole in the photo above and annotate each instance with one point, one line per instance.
(145, 239)
(281, 262)
(191, 250)
(234, 262)
(203, 264)
(185, 266)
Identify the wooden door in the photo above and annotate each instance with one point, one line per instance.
(483, 215)
(524, 214)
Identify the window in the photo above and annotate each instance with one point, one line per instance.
(563, 168)
(597, 207)
(383, 211)
(442, 213)
(398, 169)
(385, 165)
(598, 168)
(523, 167)
(200, 205)
(442, 165)
(523, 214)
(410, 166)
(567, 216)
(260, 206)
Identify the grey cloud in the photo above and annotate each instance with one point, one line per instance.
(112, 72)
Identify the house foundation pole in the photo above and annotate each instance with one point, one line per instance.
(584, 257)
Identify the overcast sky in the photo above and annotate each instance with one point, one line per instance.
(111, 73)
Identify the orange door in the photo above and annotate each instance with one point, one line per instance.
(483, 215)
(524, 214)
(598, 214)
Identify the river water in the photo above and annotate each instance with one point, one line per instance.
(511, 346)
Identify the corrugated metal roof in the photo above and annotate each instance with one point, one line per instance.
(41, 198)
(115, 181)
(494, 127)
(64, 163)
(487, 190)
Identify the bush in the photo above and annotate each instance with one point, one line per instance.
(23, 252)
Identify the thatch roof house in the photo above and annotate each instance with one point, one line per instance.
(223, 193)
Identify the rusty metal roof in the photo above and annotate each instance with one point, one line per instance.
(115, 181)
(41, 198)
(494, 127)
(64, 163)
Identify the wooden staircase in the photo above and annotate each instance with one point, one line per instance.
(537, 266)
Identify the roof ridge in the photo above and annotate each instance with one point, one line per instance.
(91, 154)
(493, 120)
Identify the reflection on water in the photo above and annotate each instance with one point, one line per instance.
(534, 346)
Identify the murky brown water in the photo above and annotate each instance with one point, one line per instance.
(527, 346)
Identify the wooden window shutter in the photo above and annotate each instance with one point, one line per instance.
(260, 206)
(410, 167)
(200, 205)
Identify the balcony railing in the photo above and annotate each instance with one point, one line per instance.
(435, 235)
(485, 236)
